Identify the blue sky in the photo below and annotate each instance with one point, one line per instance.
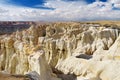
(59, 10)
(33, 3)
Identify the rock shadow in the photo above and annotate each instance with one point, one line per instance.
(64, 76)
(84, 56)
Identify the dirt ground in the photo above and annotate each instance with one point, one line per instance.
(13, 77)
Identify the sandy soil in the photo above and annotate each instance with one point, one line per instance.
(13, 77)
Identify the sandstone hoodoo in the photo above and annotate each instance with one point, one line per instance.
(62, 51)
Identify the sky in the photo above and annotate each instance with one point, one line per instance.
(59, 10)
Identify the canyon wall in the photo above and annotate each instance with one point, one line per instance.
(67, 51)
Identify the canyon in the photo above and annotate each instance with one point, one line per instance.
(60, 51)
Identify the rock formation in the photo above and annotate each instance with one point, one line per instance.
(63, 51)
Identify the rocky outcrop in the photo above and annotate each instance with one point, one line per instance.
(70, 51)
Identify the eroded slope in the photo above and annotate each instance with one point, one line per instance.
(67, 50)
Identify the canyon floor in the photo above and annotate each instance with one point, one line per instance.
(60, 50)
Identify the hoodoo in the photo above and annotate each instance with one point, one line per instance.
(61, 51)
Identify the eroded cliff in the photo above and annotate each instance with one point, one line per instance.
(67, 51)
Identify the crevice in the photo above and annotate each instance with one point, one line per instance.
(84, 56)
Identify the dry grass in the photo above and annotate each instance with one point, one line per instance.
(104, 22)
